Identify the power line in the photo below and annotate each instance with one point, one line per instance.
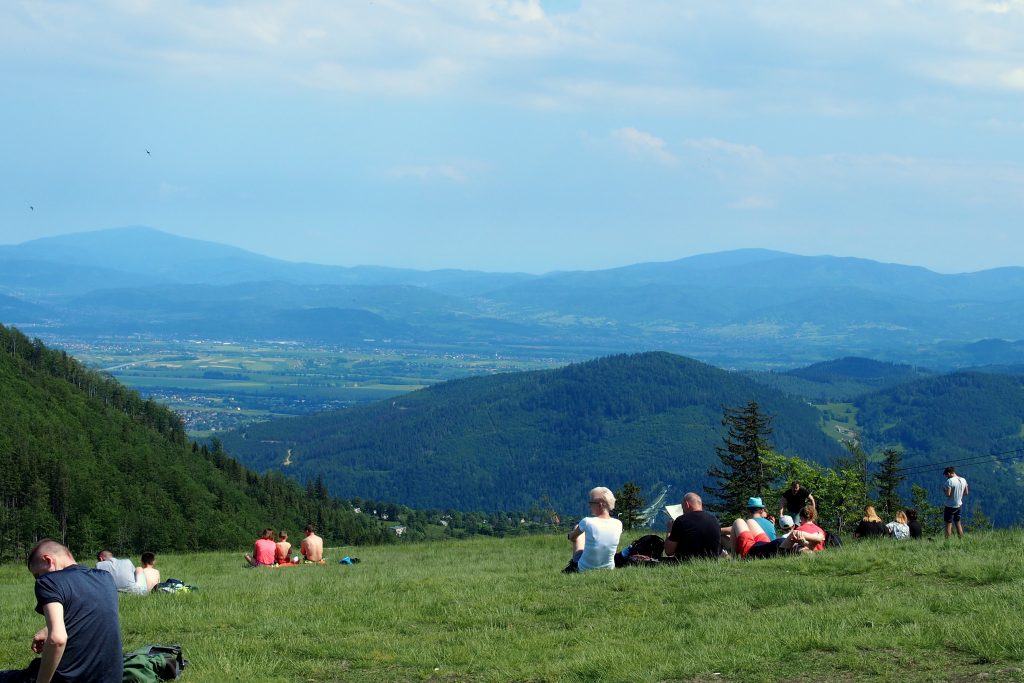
(972, 460)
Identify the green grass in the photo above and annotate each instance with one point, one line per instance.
(499, 610)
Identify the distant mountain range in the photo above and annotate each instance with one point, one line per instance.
(746, 308)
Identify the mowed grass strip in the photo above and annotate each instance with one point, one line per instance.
(500, 610)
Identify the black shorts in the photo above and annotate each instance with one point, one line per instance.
(950, 515)
(764, 550)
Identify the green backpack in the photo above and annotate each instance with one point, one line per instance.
(153, 663)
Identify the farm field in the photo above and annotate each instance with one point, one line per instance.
(500, 610)
(218, 385)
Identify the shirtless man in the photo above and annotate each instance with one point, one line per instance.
(147, 575)
(312, 546)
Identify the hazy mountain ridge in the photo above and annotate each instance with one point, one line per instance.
(733, 308)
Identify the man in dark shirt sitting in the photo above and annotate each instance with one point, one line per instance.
(694, 533)
(82, 638)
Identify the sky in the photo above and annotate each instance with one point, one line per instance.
(521, 135)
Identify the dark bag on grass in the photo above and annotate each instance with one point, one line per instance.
(644, 551)
(153, 664)
(832, 540)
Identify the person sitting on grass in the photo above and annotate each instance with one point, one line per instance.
(809, 530)
(871, 525)
(147, 575)
(312, 546)
(756, 510)
(693, 534)
(899, 529)
(263, 550)
(596, 538)
(914, 524)
(283, 548)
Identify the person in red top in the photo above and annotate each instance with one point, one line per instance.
(263, 551)
(812, 533)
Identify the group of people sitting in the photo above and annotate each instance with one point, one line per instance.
(903, 527)
(127, 577)
(697, 533)
(267, 552)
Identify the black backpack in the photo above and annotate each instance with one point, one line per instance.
(832, 540)
(646, 550)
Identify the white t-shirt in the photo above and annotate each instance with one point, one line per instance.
(601, 540)
(957, 486)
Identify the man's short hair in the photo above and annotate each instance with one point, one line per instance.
(47, 546)
(949, 471)
(104, 555)
(148, 558)
(310, 529)
(809, 513)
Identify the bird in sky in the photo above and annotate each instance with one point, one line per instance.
(31, 208)
(148, 154)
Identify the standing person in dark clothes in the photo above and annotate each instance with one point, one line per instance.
(81, 642)
(794, 499)
(695, 533)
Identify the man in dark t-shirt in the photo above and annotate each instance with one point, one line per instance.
(695, 533)
(794, 499)
(82, 638)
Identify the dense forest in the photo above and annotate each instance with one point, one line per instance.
(87, 461)
(510, 441)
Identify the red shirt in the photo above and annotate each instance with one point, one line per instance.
(812, 528)
(264, 551)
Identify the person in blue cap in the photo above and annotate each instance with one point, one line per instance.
(759, 513)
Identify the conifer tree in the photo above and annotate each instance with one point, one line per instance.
(888, 480)
(744, 471)
(628, 504)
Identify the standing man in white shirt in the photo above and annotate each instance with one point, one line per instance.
(956, 489)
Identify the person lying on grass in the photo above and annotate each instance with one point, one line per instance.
(596, 538)
(749, 540)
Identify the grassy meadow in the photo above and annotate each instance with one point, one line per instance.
(500, 610)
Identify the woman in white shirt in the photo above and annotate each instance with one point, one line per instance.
(596, 538)
(899, 529)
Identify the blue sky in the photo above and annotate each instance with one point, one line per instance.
(521, 135)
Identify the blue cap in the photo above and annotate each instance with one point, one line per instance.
(754, 503)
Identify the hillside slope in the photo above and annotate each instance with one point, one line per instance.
(974, 421)
(513, 440)
(86, 460)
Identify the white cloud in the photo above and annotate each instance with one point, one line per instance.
(753, 202)
(645, 145)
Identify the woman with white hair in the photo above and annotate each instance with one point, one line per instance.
(596, 538)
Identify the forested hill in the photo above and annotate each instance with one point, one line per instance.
(972, 420)
(87, 461)
(509, 441)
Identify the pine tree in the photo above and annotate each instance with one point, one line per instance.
(888, 480)
(743, 472)
(628, 504)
